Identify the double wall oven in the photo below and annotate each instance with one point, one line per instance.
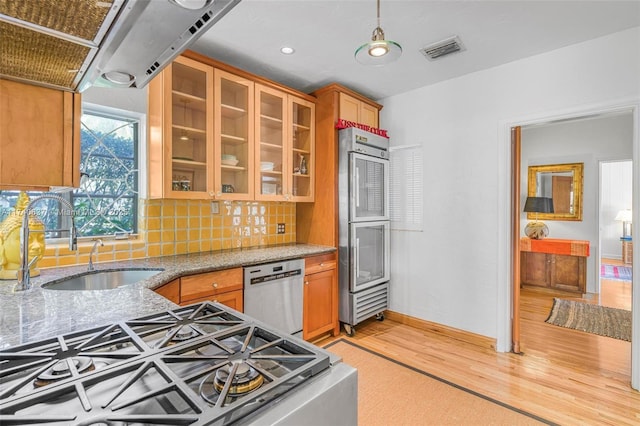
(363, 188)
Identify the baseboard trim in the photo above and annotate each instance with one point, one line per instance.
(443, 330)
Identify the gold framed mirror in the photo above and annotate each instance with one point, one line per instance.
(563, 184)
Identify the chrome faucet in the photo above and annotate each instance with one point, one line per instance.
(24, 274)
(93, 249)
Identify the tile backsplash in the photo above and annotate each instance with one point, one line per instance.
(168, 227)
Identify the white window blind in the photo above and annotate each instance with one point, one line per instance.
(406, 188)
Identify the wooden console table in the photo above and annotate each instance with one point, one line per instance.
(554, 263)
(627, 251)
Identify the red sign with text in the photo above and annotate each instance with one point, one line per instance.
(343, 124)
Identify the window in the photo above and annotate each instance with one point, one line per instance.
(107, 200)
(406, 188)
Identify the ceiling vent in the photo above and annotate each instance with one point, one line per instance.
(443, 48)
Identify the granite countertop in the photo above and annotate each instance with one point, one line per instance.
(39, 313)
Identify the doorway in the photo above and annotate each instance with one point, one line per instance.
(616, 244)
(558, 146)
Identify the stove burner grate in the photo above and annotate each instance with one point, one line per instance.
(61, 370)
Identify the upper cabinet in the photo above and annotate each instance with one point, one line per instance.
(39, 137)
(231, 136)
(357, 110)
(271, 137)
(234, 138)
(316, 223)
(181, 131)
(285, 144)
(301, 149)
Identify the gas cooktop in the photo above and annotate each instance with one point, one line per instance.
(202, 364)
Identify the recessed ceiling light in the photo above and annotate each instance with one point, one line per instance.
(287, 50)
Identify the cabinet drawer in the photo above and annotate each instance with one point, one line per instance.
(232, 299)
(209, 284)
(323, 262)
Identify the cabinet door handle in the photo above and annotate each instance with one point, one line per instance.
(322, 265)
(214, 285)
(306, 282)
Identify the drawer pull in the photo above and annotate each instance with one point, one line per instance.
(306, 282)
(215, 300)
(322, 265)
(214, 285)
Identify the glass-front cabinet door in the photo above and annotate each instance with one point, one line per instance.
(190, 128)
(369, 188)
(234, 136)
(271, 150)
(369, 258)
(302, 149)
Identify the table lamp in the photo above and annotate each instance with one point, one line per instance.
(537, 230)
(625, 216)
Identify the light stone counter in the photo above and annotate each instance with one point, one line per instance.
(39, 313)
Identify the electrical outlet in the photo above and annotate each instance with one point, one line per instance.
(280, 228)
(215, 207)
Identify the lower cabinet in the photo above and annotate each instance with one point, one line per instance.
(170, 291)
(223, 287)
(320, 304)
(562, 272)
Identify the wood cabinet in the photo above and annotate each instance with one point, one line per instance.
(355, 109)
(320, 305)
(39, 137)
(545, 265)
(317, 222)
(171, 291)
(234, 136)
(217, 132)
(225, 286)
(181, 131)
(285, 145)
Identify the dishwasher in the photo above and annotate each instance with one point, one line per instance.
(273, 294)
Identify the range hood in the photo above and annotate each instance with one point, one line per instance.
(72, 45)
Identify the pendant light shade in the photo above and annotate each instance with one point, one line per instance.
(378, 51)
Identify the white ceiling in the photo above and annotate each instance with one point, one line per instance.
(326, 34)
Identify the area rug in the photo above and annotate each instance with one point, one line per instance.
(613, 272)
(393, 393)
(609, 322)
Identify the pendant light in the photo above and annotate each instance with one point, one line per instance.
(378, 51)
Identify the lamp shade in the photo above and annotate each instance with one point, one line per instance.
(624, 216)
(538, 205)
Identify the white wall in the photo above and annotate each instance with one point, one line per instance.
(127, 99)
(615, 195)
(449, 273)
(608, 137)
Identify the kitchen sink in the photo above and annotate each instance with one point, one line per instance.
(102, 280)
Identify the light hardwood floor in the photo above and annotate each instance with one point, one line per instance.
(565, 376)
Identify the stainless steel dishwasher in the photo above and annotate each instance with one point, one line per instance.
(273, 294)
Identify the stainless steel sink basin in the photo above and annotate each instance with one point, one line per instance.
(101, 280)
